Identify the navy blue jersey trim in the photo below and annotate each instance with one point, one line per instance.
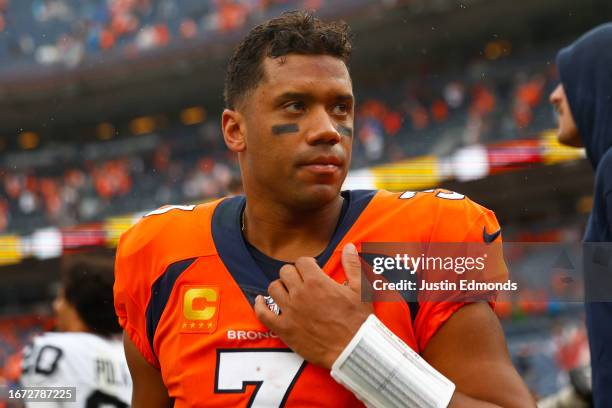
(227, 236)
(231, 247)
(358, 201)
(160, 293)
(414, 310)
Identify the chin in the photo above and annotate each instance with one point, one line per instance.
(561, 137)
(319, 195)
(568, 138)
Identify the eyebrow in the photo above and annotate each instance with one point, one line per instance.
(345, 97)
(285, 96)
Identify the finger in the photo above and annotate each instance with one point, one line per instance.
(290, 277)
(267, 317)
(309, 269)
(352, 266)
(279, 293)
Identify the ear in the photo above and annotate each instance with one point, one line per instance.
(233, 126)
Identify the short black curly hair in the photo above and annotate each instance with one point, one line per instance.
(87, 281)
(295, 32)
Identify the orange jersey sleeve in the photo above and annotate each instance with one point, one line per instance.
(160, 238)
(427, 217)
(457, 219)
(132, 270)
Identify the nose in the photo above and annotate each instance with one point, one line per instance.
(555, 95)
(322, 129)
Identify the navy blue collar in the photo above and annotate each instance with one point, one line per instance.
(227, 236)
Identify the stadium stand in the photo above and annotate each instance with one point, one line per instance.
(64, 32)
(184, 163)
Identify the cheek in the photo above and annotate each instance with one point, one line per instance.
(568, 132)
(347, 145)
(567, 122)
(270, 158)
(567, 113)
(562, 121)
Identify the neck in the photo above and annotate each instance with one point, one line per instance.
(75, 326)
(286, 234)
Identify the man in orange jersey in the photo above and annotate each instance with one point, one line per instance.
(198, 288)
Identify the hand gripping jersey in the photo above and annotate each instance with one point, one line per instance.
(94, 365)
(185, 286)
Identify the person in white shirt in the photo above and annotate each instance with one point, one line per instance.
(87, 351)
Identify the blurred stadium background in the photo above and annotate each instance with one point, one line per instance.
(110, 108)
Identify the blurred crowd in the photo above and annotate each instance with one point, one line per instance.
(181, 168)
(184, 163)
(66, 31)
(435, 113)
(15, 333)
(432, 112)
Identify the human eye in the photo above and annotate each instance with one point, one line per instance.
(340, 109)
(294, 107)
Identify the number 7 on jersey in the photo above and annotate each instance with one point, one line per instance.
(273, 372)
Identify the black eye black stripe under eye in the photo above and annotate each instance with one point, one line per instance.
(286, 128)
(293, 127)
(344, 130)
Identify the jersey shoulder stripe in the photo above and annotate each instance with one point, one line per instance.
(449, 216)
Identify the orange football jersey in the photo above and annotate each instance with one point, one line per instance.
(186, 282)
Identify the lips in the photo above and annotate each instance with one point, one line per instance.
(323, 165)
(324, 161)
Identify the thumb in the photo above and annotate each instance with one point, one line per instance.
(263, 313)
(352, 266)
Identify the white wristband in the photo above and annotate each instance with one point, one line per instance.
(382, 371)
